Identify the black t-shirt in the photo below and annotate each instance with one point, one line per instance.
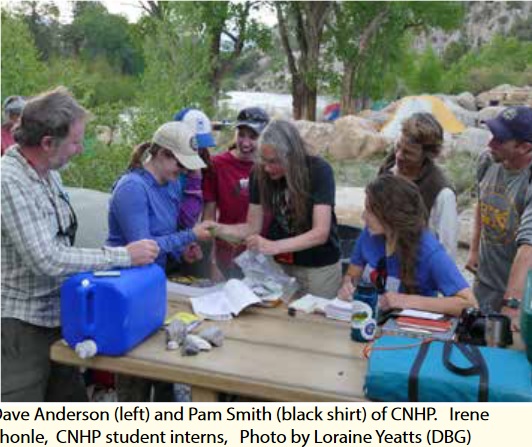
(322, 192)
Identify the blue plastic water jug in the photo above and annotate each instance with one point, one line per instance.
(111, 312)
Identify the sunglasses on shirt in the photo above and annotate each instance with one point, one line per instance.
(72, 228)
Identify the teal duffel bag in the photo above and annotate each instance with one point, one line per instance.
(405, 369)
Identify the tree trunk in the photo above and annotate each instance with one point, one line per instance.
(297, 97)
(309, 18)
(216, 67)
(347, 102)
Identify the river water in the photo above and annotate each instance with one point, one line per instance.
(278, 105)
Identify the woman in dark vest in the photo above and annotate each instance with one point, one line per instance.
(419, 145)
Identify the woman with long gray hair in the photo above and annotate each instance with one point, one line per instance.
(298, 190)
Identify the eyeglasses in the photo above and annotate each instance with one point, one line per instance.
(269, 161)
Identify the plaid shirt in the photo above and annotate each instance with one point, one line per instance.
(35, 257)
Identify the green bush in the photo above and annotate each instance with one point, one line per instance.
(22, 71)
(98, 168)
(505, 60)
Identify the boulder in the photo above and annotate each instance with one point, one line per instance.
(467, 101)
(104, 134)
(378, 118)
(352, 139)
(505, 95)
(356, 122)
(316, 135)
(472, 140)
(488, 113)
(349, 205)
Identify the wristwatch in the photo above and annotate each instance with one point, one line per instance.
(511, 303)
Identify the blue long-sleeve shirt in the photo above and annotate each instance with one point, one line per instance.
(141, 208)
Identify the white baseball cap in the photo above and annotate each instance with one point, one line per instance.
(180, 139)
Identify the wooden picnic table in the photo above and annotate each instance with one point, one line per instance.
(266, 354)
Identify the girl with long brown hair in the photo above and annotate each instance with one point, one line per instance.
(398, 253)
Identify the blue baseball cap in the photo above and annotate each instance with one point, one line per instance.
(513, 123)
(199, 123)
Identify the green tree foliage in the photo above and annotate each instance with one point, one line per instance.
(368, 38)
(95, 32)
(225, 28)
(505, 60)
(22, 71)
(454, 51)
(42, 20)
(176, 74)
(427, 75)
(94, 83)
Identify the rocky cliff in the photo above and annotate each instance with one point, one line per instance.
(483, 20)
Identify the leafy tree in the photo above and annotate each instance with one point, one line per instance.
(95, 32)
(369, 35)
(93, 83)
(22, 72)
(503, 60)
(427, 76)
(42, 20)
(225, 28)
(176, 74)
(454, 51)
(307, 21)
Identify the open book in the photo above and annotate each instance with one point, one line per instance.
(335, 309)
(226, 302)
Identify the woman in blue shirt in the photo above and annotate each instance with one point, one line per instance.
(145, 204)
(146, 201)
(398, 253)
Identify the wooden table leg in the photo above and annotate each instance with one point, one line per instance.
(200, 394)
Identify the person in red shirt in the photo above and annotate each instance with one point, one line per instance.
(225, 187)
(12, 110)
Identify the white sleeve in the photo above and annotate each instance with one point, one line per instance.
(443, 220)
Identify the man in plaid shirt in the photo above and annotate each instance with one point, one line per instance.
(38, 230)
